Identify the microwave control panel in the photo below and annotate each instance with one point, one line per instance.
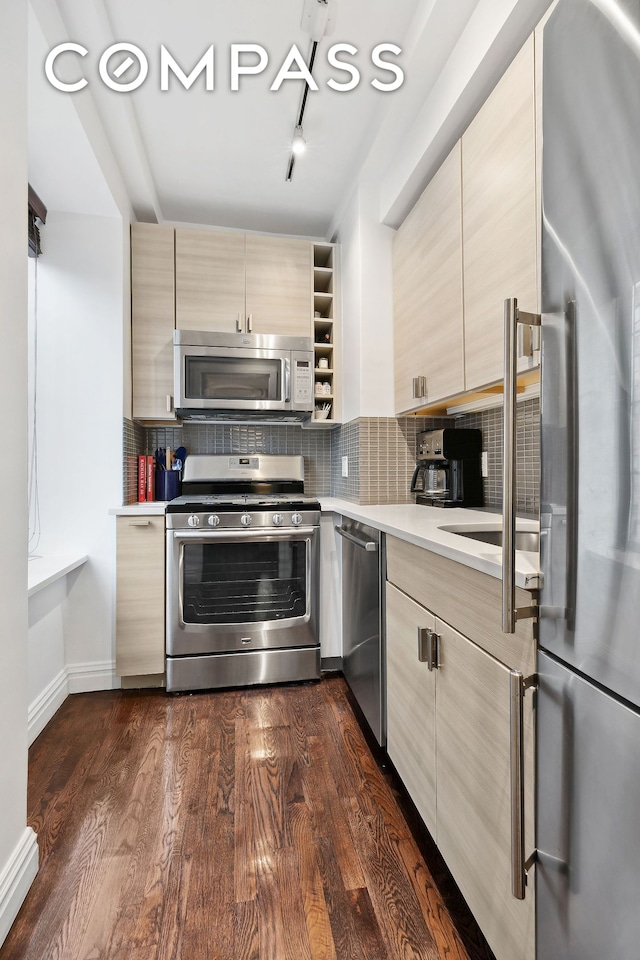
(303, 383)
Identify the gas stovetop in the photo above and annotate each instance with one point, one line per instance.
(227, 512)
(189, 503)
(238, 491)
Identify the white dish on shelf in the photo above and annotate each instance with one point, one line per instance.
(321, 413)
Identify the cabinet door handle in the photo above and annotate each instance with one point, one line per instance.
(518, 686)
(428, 647)
(169, 403)
(239, 324)
(419, 387)
(139, 523)
(250, 323)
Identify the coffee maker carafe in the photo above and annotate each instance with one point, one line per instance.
(448, 473)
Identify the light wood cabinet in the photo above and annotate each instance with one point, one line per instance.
(232, 283)
(210, 268)
(450, 286)
(152, 321)
(140, 595)
(467, 599)
(499, 216)
(427, 287)
(449, 732)
(473, 777)
(278, 285)
(208, 280)
(411, 703)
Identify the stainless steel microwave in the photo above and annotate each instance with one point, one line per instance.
(245, 377)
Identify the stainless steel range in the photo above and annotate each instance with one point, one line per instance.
(243, 547)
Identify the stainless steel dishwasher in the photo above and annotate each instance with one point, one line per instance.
(363, 621)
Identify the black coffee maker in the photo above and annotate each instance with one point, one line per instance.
(448, 473)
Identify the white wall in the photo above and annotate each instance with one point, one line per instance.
(79, 427)
(367, 308)
(47, 683)
(18, 850)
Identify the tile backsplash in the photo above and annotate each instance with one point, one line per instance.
(380, 452)
(134, 441)
(527, 453)
(216, 438)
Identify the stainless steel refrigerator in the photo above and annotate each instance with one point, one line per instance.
(588, 706)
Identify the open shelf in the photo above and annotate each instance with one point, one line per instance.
(323, 304)
(323, 255)
(322, 281)
(324, 329)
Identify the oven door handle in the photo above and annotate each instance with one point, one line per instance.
(274, 533)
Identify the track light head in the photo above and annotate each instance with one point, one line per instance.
(299, 144)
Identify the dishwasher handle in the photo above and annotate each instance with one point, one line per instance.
(369, 545)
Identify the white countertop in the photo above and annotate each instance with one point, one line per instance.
(45, 570)
(155, 509)
(421, 525)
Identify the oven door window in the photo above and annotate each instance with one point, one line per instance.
(233, 378)
(248, 582)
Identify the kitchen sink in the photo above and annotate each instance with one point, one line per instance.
(528, 540)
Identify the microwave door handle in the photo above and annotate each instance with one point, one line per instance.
(287, 380)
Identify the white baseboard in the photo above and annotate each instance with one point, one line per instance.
(97, 675)
(75, 678)
(45, 705)
(15, 879)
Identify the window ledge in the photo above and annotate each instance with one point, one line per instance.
(45, 570)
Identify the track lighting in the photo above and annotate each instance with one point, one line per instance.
(299, 144)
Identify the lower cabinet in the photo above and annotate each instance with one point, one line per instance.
(449, 737)
(140, 591)
(411, 703)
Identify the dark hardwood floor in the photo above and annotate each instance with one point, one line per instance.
(228, 826)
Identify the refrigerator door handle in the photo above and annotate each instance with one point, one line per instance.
(512, 317)
(519, 866)
(572, 465)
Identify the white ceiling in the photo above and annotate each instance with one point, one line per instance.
(63, 169)
(220, 157)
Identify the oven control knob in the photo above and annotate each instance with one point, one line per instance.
(193, 520)
(277, 519)
(245, 519)
(296, 519)
(214, 520)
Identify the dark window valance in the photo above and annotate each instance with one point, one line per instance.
(37, 214)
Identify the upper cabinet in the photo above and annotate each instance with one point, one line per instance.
(471, 241)
(279, 284)
(499, 216)
(232, 283)
(153, 320)
(427, 272)
(210, 281)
